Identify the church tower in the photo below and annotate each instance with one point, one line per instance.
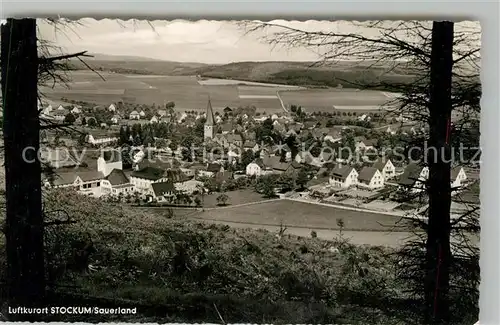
(209, 124)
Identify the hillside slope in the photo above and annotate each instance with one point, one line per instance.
(347, 74)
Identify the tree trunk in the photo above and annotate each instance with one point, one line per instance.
(438, 242)
(24, 220)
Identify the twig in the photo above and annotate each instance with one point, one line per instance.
(220, 316)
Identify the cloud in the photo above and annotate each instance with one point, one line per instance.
(206, 41)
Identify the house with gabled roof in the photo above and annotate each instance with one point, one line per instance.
(211, 169)
(363, 144)
(84, 181)
(112, 108)
(143, 178)
(134, 115)
(458, 177)
(235, 139)
(108, 161)
(162, 191)
(76, 110)
(251, 145)
(343, 176)
(116, 183)
(226, 128)
(386, 167)
(255, 168)
(370, 178)
(413, 178)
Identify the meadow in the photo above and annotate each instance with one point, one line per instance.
(192, 93)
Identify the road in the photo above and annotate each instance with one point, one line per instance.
(281, 101)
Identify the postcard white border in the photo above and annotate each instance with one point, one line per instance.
(487, 12)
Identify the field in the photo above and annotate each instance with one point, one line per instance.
(300, 214)
(191, 93)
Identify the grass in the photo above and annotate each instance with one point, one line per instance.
(301, 214)
(235, 198)
(181, 271)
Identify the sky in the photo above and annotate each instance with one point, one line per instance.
(215, 42)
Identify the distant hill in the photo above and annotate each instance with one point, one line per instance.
(107, 57)
(347, 74)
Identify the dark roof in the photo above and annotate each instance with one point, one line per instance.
(228, 127)
(70, 177)
(317, 181)
(223, 176)
(177, 176)
(411, 174)
(163, 187)
(210, 114)
(117, 177)
(150, 173)
(259, 162)
(341, 172)
(234, 137)
(249, 144)
(366, 174)
(275, 163)
(213, 167)
(111, 156)
(295, 165)
(380, 164)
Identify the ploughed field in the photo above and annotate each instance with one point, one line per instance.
(191, 93)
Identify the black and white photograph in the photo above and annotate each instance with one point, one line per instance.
(240, 171)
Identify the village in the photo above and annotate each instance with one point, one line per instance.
(158, 157)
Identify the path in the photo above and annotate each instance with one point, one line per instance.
(337, 206)
(281, 101)
(376, 238)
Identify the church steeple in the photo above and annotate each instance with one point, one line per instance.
(210, 114)
(209, 124)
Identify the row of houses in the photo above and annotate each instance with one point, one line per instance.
(144, 179)
(381, 172)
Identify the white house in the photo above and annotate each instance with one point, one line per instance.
(47, 110)
(413, 178)
(143, 178)
(333, 137)
(134, 115)
(162, 191)
(154, 119)
(86, 182)
(458, 177)
(115, 119)
(60, 115)
(112, 108)
(101, 141)
(343, 176)
(60, 108)
(108, 161)
(76, 110)
(254, 168)
(386, 167)
(116, 183)
(251, 145)
(363, 144)
(189, 186)
(370, 178)
(142, 114)
(211, 170)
